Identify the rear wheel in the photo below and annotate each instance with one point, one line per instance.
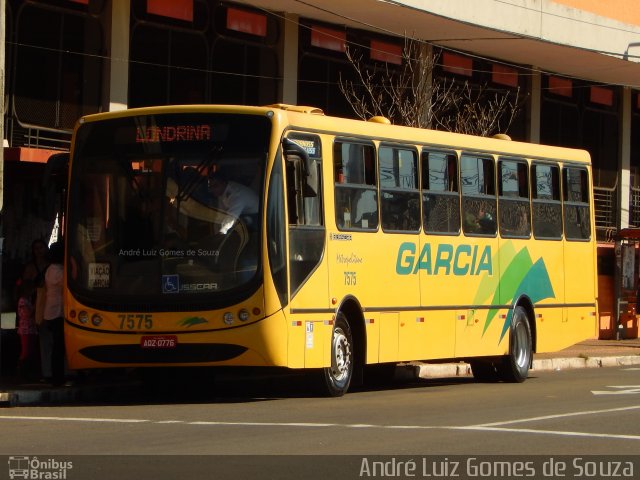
(337, 377)
(515, 365)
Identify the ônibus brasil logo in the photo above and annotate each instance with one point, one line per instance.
(38, 468)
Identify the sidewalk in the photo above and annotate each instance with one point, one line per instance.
(586, 354)
(111, 386)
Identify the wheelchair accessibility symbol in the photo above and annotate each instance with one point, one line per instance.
(170, 284)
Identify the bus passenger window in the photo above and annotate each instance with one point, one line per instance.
(575, 185)
(440, 197)
(400, 198)
(515, 212)
(545, 200)
(477, 180)
(356, 200)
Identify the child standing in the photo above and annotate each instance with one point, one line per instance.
(28, 333)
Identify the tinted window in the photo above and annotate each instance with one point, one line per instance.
(575, 185)
(355, 183)
(547, 208)
(440, 192)
(400, 199)
(515, 211)
(477, 180)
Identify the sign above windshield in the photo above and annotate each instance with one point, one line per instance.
(173, 133)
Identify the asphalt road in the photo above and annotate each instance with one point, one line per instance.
(553, 414)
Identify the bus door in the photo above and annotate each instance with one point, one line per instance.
(310, 332)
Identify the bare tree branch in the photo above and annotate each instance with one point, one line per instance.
(411, 95)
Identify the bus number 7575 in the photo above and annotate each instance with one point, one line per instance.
(135, 321)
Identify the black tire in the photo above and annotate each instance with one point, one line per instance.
(337, 377)
(515, 366)
(484, 370)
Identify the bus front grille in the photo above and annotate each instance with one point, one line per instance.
(181, 353)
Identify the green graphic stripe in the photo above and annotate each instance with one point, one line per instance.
(520, 276)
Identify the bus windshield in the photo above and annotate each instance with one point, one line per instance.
(165, 210)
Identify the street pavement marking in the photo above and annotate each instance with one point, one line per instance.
(559, 415)
(75, 419)
(552, 432)
(267, 424)
(486, 427)
(622, 390)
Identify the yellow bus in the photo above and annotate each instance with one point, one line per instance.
(277, 236)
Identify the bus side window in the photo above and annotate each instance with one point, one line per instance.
(515, 211)
(303, 187)
(440, 197)
(399, 195)
(545, 200)
(477, 180)
(356, 199)
(575, 188)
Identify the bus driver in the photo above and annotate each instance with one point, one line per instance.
(234, 198)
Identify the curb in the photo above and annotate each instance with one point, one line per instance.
(64, 395)
(443, 370)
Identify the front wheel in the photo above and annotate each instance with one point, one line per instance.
(515, 365)
(337, 377)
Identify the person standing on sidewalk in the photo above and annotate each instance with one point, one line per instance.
(28, 333)
(53, 316)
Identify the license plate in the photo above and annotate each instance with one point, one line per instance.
(159, 341)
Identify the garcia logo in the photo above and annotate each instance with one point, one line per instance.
(447, 259)
(34, 468)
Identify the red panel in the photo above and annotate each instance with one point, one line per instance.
(28, 154)
(386, 52)
(561, 86)
(504, 75)
(457, 64)
(247, 22)
(603, 96)
(178, 9)
(327, 38)
(83, 2)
